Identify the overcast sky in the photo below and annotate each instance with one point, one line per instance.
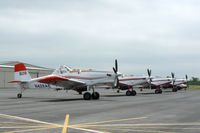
(163, 35)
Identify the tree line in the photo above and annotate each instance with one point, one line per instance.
(194, 81)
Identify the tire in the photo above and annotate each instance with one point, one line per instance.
(134, 93)
(160, 91)
(87, 96)
(128, 93)
(179, 88)
(156, 91)
(19, 95)
(95, 95)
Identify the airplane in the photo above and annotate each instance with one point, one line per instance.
(158, 83)
(68, 79)
(127, 82)
(178, 84)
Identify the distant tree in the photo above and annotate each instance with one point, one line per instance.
(194, 81)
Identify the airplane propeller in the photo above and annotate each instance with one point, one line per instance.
(173, 79)
(149, 76)
(186, 77)
(117, 74)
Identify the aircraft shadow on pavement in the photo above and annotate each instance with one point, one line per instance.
(48, 99)
(61, 100)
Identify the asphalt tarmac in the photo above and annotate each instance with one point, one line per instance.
(47, 111)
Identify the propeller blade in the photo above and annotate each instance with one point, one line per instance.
(149, 76)
(186, 77)
(148, 71)
(114, 70)
(173, 79)
(172, 75)
(116, 65)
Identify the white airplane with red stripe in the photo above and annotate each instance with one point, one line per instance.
(68, 79)
(175, 84)
(127, 82)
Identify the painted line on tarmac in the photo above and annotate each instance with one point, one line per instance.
(20, 131)
(100, 122)
(90, 130)
(150, 124)
(136, 130)
(22, 127)
(49, 125)
(27, 119)
(64, 130)
(124, 127)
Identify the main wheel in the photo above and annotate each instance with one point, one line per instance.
(19, 95)
(134, 93)
(117, 91)
(95, 95)
(128, 93)
(156, 91)
(87, 96)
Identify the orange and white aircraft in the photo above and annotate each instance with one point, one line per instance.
(68, 79)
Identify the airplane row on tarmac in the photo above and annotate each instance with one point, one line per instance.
(65, 78)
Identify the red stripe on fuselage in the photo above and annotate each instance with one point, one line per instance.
(164, 83)
(79, 77)
(132, 79)
(159, 80)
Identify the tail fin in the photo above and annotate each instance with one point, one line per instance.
(21, 73)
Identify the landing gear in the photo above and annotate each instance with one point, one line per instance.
(19, 95)
(87, 96)
(131, 93)
(158, 91)
(128, 93)
(95, 95)
(174, 90)
(118, 91)
(134, 92)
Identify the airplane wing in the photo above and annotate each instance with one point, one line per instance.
(61, 81)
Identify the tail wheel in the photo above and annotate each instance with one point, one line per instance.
(95, 95)
(87, 96)
(128, 93)
(134, 93)
(19, 95)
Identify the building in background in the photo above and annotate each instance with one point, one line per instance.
(7, 72)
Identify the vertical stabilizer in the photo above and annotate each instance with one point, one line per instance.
(21, 73)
